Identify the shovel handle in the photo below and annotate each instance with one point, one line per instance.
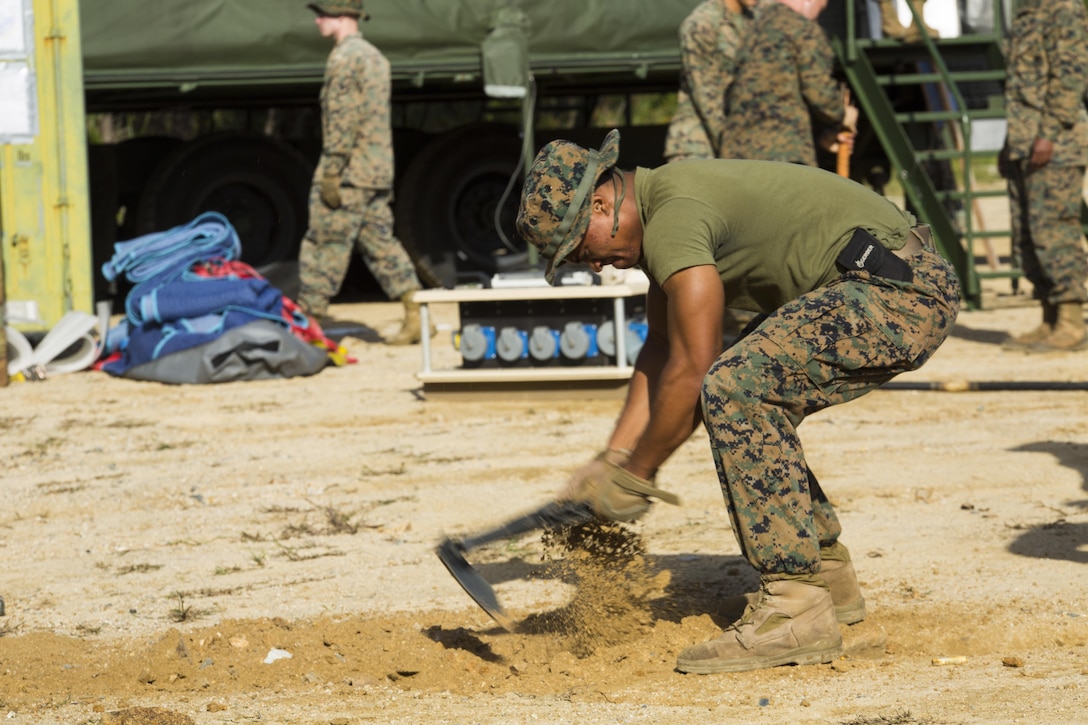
(555, 514)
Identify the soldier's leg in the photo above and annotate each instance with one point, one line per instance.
(827, 523)
(753, 398)
(383, 253)
(325, 252)
(825, 348)
(1054, 196)
(1023, 249)
(391, 266)
(836, 566)
(1021, 228)
(1054, 201)
(828, 347)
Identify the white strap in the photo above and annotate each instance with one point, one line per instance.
(68, 347)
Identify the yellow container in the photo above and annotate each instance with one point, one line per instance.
(44, 199)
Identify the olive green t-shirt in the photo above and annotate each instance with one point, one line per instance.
(772, 230)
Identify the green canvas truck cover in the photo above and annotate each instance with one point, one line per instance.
(192, 43)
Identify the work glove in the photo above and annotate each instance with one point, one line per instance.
(574, 490)
(614, 493)
(330, 190)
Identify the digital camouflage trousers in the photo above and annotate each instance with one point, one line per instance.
(829, 346)
(364, 222)
(1044, 210)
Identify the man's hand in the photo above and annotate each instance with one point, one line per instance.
(850, 118)
(614, 493)
(834, 141)
(576, 486)
(330, 190)
(1041, 151)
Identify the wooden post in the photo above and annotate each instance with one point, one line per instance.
(842, 161)
(842, 156)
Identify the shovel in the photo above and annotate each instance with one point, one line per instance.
(451, 552)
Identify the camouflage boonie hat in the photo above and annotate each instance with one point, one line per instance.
(554, 212)
(340, 7)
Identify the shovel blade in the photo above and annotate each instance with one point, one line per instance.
(452, 551)
(453, 558)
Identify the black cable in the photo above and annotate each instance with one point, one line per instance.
(530, 112)
(963, 386)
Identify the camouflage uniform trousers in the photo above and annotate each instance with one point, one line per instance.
(363, 221)
(827, 347)
(1046, 229)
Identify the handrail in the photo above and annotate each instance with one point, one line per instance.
(952, 88)
(955, 110)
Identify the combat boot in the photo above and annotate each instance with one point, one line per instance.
(410, 331)
(913, 33)
(791, 622)
(838, 572)
(1037, 335)
(890, 26)
(1068, 334)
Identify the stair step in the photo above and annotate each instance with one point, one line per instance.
(958, 43)
(972, 114)
(950, 154)
(959, 195)
(967, 76)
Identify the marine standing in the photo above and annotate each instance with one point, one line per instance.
(783, 82)
(353, 183)
(1044, 159)
(709, 39)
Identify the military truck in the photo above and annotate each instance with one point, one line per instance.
(205, 104)
(218, 105)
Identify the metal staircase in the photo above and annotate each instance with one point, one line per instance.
(922, 101)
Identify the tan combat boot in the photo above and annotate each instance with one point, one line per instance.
(913, 34)
(791, 622)
(838, 571)
(1068, 334)
(1037, 335)
(889, 20)
(410, 331)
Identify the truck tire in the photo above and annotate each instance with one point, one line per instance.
(445, 210)
(260, 184)
(136, 160)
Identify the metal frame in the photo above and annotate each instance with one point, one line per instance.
(955, 241)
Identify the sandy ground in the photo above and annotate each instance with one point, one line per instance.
(159, 542)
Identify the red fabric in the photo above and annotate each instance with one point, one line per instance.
(311, 332)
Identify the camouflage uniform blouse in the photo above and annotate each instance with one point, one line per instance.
(782, 83)
(709, 39)
(1047, 76)
(358, 139)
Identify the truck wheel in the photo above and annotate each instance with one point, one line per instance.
(260, 184)
(445, 213)
(137, 158)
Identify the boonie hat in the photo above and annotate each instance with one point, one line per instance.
(554, 211)
(340, 7)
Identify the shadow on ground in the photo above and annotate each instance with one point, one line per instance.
(1058, 539)
(985, 337)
